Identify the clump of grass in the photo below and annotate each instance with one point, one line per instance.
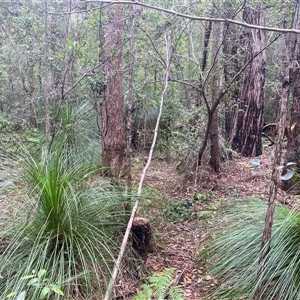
(234, 255)
(68, 227)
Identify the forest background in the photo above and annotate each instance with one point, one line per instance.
(86, 85)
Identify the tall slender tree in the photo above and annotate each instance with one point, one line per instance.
(46, 76)
(131, 96)
(215, 86)
(231, 67)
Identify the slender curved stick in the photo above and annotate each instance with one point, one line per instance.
(135, 207)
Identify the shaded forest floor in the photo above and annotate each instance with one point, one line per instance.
(177, 242)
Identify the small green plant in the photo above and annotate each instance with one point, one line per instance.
(204, 214)
(183, 210)
(38, 281)
(202, 197)
(5, 124)
(161, 286)
(180, 211)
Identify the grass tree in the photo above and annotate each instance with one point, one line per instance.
(235, 253)
(68, 226)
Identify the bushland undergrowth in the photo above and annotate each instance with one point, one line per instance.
(233, 255)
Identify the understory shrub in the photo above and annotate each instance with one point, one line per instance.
(233, 257)
(184, 209)
(38, 280)
(70, 226)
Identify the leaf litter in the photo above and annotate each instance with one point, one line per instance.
(177, 245)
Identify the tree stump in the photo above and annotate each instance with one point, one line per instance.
(141, 236)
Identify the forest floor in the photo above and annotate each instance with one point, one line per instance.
(177, 244)
(180, 231)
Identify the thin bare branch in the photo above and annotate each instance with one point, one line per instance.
(135, 207)
(88, 73)
(197, 18)
(160, 58)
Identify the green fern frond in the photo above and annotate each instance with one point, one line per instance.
(145, 294)
(161, 282)
(168, 272)
(176, 293)
(160, 286)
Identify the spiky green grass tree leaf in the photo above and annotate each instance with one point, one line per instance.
(234, 254)
(78, 133)
(69, 227)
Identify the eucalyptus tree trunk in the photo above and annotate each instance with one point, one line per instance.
(293, 130)
(247, 137)
(130, 103)
(114, 145)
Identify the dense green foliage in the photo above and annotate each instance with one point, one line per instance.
(78, 135)
(61, 216)
(73, 65)
(37, 281)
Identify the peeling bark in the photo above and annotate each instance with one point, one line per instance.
(293, 145)
(249, 117)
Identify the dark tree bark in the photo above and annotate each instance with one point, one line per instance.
(33, 120)
(114, 145)
(249, 117)
(293, 130)
(207, 36)
(214, 162)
